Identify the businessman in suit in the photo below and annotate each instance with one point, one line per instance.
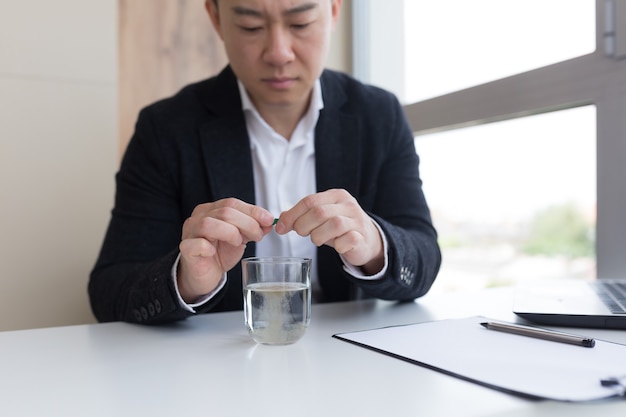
(273, 135)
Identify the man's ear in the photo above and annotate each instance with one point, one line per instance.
(214, 15)
(335, 9)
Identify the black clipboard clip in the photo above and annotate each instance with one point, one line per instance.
(618, 383)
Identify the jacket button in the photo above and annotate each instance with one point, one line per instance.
(406, 275)
(157, 306)
(137, 314)
(144, 313)
(151, 309)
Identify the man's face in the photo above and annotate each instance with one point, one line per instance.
(277, 48)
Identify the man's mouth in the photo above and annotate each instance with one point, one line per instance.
(279, 83)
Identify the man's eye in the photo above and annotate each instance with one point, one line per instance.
(300, 26)
(251, 29)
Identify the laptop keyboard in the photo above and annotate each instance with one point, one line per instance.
(612, 293)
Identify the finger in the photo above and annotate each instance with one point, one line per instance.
(228, 224)
(212, 230)
(329, 215)
(325, 232)
(259, 214)
(347, 242)
(222, 209)
(196, 248)
(309, 212)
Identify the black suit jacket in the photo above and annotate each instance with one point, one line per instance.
(194, 148)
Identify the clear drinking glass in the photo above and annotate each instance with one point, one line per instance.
(277, 298)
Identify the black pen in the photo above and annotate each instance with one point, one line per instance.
(540, 334)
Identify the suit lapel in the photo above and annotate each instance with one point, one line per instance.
(337, 149)
(228, 161)
(224, 141)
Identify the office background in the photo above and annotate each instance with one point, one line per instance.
(74, 74)
(64, 120)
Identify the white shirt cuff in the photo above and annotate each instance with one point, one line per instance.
(202, 299)
(357, 272)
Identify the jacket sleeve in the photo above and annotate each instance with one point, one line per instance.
(132, 279)
(399, 206)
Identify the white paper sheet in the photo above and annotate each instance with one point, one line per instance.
(519, 364)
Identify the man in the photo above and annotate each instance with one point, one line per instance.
(273, 135)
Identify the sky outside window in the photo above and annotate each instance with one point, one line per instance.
(454, 44)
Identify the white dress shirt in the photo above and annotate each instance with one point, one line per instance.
(284, 173)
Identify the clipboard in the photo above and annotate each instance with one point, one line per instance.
(522, 366)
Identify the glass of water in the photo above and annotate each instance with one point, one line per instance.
(276, 298)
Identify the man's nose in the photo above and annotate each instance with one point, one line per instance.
(278, 50)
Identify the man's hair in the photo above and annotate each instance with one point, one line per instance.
(215, 1)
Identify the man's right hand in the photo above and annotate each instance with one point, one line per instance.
(213, 241)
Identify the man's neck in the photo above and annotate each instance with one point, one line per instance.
(284, 120)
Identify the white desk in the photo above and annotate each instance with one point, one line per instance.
(208, 365)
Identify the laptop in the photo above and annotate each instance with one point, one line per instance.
(596, 304)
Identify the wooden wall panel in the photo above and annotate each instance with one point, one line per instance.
(163, 45)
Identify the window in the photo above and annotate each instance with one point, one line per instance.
(457, 44)
(513, 200)
(519, 113)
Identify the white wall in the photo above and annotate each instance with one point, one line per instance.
(58, 98)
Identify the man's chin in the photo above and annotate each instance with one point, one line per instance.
(281, 102)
